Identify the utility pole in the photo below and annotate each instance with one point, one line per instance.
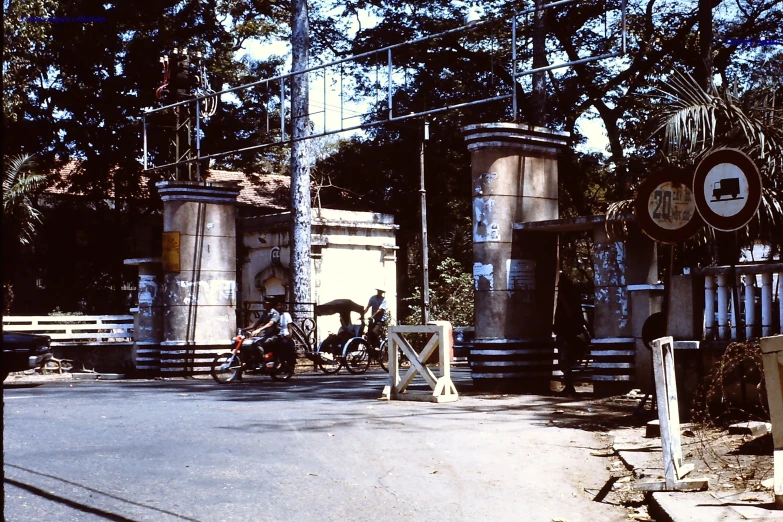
(538, 101)
(300, 162)
(425, 270)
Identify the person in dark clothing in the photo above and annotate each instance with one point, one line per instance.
(570, 329)
(266, 328)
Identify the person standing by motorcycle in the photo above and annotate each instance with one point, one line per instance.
(287, 347)
(267, 327)
(377, 305)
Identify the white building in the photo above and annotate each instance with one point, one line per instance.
(353, 254)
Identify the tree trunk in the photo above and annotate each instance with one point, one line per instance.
(301, 214)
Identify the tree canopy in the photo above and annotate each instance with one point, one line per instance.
(76, 90)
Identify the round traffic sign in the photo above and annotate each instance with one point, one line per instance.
(665, 207)
(727, 189)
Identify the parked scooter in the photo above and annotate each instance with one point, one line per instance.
(276, 361)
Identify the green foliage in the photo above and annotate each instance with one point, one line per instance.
(19, 213)
(451, 296)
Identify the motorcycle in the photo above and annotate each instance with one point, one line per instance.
(277, 361)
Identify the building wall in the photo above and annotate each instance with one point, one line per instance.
(353, 254)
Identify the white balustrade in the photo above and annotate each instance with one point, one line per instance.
(709, 306)
(729, 316)
(750, 305)
(723, 307)
(766, 310)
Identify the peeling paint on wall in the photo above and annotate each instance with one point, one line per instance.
(487, 178)
(148, 289)
(483, 276)
(483, 227)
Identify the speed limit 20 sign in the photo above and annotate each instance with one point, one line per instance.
(665, 207)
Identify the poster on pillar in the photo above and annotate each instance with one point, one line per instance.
(171, 258)
(521, 274)
(665, 207)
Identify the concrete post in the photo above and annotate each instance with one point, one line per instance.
(148, 320)
(199, 265)
(514, 174)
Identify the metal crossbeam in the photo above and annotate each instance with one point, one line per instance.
(277, 104)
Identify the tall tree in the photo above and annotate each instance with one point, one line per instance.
(301, 215)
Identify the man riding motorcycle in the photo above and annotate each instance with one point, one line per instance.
(266, 328)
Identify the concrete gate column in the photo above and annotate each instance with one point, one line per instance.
(514, 174)
(199, 273)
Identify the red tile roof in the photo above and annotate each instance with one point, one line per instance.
(270, 191)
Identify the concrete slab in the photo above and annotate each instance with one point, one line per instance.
(753, 428)
(714, 507)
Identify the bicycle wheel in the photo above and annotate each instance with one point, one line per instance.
(330, 356)
(357, 356)
(383, 355)
(226, 368)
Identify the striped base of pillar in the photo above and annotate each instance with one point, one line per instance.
(185, 361)
(613, 365)
(520, 366)
(147, 358)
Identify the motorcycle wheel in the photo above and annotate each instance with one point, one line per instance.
(357, 356)
(329, 361)
(282, 371)
(226, 368)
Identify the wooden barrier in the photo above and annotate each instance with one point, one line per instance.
(75, 330)
(442, 387)
(772, 357)
(669, 416)
(101, 342)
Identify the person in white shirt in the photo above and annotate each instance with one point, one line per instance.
(377, 305)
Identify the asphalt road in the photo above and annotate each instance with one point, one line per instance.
(314, 448)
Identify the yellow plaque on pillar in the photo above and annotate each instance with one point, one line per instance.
(171, 252)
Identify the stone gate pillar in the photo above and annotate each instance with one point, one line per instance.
(199, 273)
(514, 174)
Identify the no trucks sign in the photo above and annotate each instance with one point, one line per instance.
(665, 207)
(727, 189)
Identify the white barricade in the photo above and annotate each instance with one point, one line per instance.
(669, 416)
(442, 387)
(772, 356)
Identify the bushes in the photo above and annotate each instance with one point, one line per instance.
(451, 296)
